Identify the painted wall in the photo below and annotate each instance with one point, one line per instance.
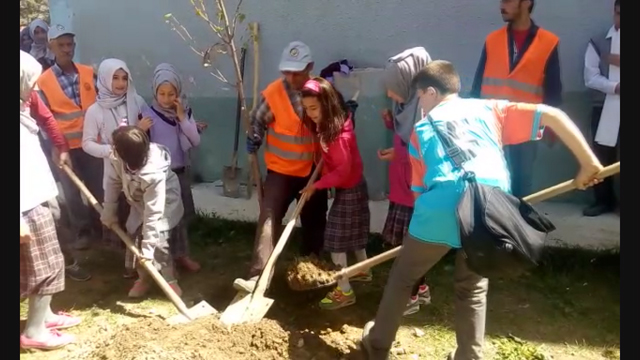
(366, 32)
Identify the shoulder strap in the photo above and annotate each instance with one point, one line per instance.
(455, 154)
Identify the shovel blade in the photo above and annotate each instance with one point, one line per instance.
(231, 181)
(245, 308)
(199, 310)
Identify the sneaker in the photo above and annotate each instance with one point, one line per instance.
(175, 287)
(139, 289)
(245, 285)
(55, 340)
(364, 276)
(188, 264)
(424, 295)
(597, 210)
(63, 321)
(413, 306)
(75, 272)
(337, 299)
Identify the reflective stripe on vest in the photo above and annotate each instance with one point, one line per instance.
(68, 114)
(525, 82)
(289, 146)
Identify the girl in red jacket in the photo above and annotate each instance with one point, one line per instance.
(349, 218)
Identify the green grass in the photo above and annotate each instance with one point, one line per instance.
(568, 308)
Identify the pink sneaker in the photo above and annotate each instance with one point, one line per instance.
(55, 340)
(63, 321)
(176, 288)
(139, 289)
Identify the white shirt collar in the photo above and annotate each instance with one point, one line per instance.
(611, 32)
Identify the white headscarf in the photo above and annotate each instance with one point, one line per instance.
(108, 100)
(167, 73)
(39, 50)
(30, 70)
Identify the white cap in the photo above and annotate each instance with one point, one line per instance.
(57, 30)
(295, 57)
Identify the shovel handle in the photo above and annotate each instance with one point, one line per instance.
(534, 198)
(263, 280)
(147, 264)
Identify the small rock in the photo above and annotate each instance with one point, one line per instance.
(398, 351)
(300, 343)
(415, 356)
(417, 332)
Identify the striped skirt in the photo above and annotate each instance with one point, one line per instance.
(396, 227)
(349, 220)
(41, 261)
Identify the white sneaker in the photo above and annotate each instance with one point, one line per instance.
(413, 306)
(245, 285)
(424, 296)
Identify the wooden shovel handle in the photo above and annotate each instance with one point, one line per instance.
(255, 174)
(263, 281)
(147, 264)
(534, 198)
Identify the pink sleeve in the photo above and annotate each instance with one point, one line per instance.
(340, 153)
(517, 122)
(418, 167)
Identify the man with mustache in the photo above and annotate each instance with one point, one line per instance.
(520, 63)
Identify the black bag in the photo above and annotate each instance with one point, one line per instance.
(501, 235)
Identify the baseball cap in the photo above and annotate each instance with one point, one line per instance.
(57, 30)
(295, 57)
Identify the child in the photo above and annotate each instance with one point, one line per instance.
(479, 128)
(397, 79)
(142, 171)
(38, 30)
(169, 122)
(117, 103)
(41, 261)
(348, 221)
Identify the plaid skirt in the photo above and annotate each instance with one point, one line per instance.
(41, 261)
(349, 220)
(396, 227)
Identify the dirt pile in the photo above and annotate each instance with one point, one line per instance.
(308, 273)
(153, 339)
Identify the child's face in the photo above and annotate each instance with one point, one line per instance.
(39, 35)
(166, 95)
(119, 82)
(312, 108)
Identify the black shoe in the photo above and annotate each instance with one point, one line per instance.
(75, 272)
(597, 210)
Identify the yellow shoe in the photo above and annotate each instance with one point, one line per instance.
(337, 299)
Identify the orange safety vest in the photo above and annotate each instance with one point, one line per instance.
(525, 82)
(70, 117)
(290, 146)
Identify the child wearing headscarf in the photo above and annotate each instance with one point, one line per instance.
(25, 40)
(38, 30)
(169, 122)
(41, 261)
(397, 77)
(117, 103)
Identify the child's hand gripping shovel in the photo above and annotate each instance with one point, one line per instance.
(251, 308)
(199, 310)
(324, 278)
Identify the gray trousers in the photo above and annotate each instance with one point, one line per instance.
(415, 259)
(61, 219)
(162, 259)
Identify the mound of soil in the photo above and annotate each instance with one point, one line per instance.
(308, 273)
(207, 338)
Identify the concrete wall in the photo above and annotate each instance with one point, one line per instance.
(366, 32)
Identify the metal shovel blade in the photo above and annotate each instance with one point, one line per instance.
(199, 310)
(245, 308)
(231, 181)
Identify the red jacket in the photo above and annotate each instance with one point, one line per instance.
(342, 162)
(45, 120)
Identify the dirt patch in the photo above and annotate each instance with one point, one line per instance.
(308, 273)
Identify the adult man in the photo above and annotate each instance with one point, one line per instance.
(68, 89)
(289, 154)
(520, 62)
(602, 77)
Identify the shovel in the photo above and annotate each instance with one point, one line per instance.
(251, 308)
(231, 174)
(348, 272)
(197, 311)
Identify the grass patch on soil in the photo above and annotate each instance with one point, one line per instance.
(569, 308)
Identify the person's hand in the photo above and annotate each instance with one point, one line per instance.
(387, 118)
(25, 233)
(308, 191)
(614, 59)
(587, 176)
(386, 154)
(145, 124)
(253, 143)
(617, 90)
(179, 109)
(202, 126)
(352, 105)
(61, 158)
